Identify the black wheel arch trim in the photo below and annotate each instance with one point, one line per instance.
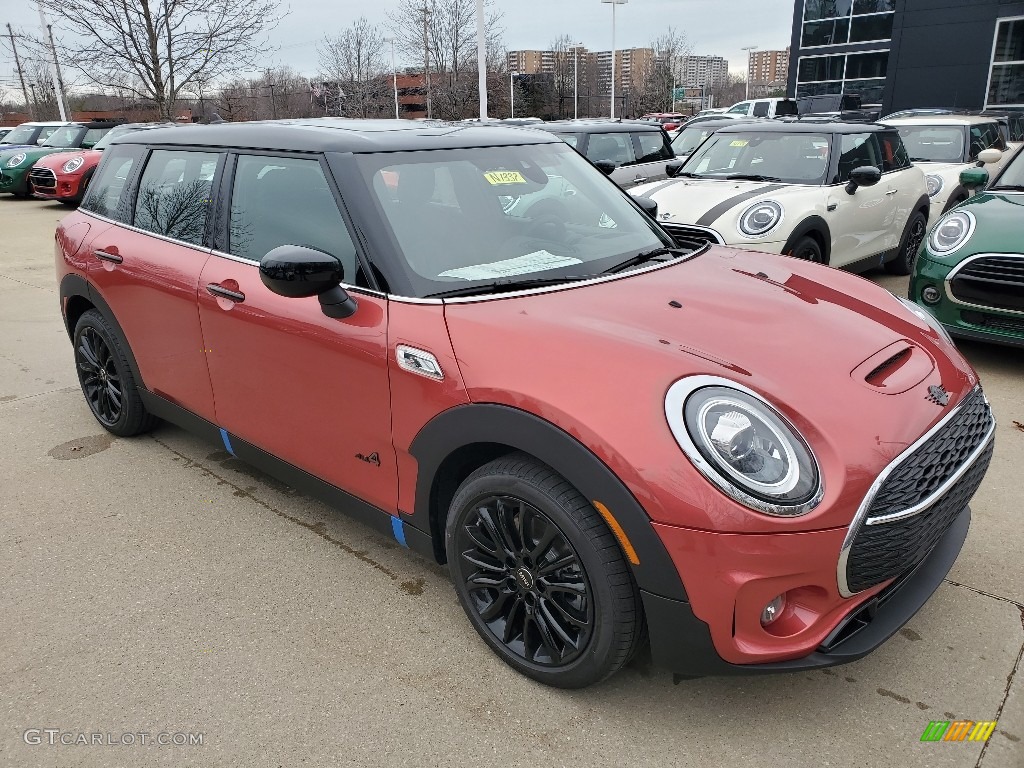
(807, 226)
(957, 196)
(73, 285)
(488, 423)
(923, 205)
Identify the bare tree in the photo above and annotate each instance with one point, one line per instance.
(357, 62)
(443, 32)
(158, 49)
(659, 77)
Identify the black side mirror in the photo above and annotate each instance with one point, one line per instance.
(864, 176)
(649, 206)
(296, 272)
(605, 166)
(672, 169)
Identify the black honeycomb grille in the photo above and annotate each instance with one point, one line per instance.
(884, 551)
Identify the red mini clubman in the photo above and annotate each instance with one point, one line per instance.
(474, 342)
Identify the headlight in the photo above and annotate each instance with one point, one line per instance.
(935, 184)
(760, 218)
(951, 232)
(73, 164)
(927, 318)
(743, 446)
(17, 160)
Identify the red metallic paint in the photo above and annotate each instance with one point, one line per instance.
(68, 184)
(307, 388)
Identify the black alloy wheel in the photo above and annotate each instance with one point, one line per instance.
(904, 263)
(106, 378)
(808, 249)
(525, 581)
(539, 574)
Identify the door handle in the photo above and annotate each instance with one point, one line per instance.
(892, 192)
(639, 179)
(225, 293)
(106, 256)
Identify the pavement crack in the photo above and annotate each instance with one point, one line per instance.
(30, 285)
(1011, 601)
(412, 586)
(5, 401)
(1006, 692)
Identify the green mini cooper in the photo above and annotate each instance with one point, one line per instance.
(970, 271)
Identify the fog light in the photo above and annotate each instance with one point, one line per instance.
(773, 610)
(930, 294)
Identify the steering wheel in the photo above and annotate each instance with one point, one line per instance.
(548, 220)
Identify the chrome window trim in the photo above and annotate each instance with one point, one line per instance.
(862, 512)
(947, 283)
(675, 401)
(133, 228)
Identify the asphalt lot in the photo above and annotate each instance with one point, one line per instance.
(156, 585)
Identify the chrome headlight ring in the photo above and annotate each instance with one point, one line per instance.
(951, 232)
(17, 160)
(73, 164)
(759, 219)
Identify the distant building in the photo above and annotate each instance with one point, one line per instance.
(703, 71)
(630, 65)
(769, 69)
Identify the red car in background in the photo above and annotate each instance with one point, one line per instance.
(669, 120)
(65, 176)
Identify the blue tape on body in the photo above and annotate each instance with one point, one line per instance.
(399, 530)
(227, 442)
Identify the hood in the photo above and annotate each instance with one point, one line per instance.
(56, 160)
(1000, 219)
(32, 153)
(943, 168)
(803, 336)
(705, 201)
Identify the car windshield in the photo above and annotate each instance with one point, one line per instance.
(112, 134)
(20, 135)
(689, 139)
(793, 158)
(1013, 176)
(65, 136)
(476, 217)
(933, 143)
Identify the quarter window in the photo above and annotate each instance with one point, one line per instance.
(287, 201)
(653, 147)
(106, 196)
(174, 194)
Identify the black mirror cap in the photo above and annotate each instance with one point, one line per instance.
(864, 176)
(672, 169)
(607, 167)
(974, 178)
(296, 271)
(649, 206)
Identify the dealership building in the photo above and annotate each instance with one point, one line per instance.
(905, 54)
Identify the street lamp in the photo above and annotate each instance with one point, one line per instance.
(748, 49)
(576, 83)
(613, 3)
(394, 73)
(481, 57)
(512, 93)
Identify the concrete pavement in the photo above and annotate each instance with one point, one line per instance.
(157, 585)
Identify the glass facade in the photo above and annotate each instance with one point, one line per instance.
(838, 22)
(1006, 78)
(859, 73)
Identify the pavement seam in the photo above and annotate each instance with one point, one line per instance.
(1009, 600)
(38, 394)
(411, 587)
(30, 285)
(1006, 693)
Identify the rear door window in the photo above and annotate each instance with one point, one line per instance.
(174, 194)
(107, 195)
(611, 147)
(652, 147)
(761, 108)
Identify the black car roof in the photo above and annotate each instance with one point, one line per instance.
(338, 135)
(604, 126)
(774, 126)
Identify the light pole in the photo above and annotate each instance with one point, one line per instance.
(512, 93)
(748, 49)
(481, 57)
(394, 74)
(613, 3)
(576, 82)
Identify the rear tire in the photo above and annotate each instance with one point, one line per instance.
(913, 237)
(540, 576)
(106, 378)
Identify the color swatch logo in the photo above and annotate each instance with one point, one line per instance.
(958, 730)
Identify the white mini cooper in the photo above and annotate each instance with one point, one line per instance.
(843, 194)
(944, 145)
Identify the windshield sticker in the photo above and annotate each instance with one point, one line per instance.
(738, 143)
(538, 261)
(504, 177)
(606, 222)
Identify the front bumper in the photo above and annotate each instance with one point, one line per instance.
(683, 643)
(14, 180)
(66, 188)
(965, 321)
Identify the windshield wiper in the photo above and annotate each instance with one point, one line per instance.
(750, 177)
(644, 257)
(1008, 187)
(506, 285)
(689, 175)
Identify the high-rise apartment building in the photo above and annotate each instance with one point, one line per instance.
(703, 71)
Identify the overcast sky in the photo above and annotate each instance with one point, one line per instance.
(714, 27)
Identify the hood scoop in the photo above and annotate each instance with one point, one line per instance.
(895, 369)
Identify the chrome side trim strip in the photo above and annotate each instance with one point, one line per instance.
(869, 497)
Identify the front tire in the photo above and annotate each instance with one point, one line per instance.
(106, 378)
(808, 249)
(904, 263)
(540, 576)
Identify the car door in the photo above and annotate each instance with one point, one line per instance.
(147, 265)
(859, 222)
(904, 183)
(614, 148)
(311, 390)
(653, 150)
